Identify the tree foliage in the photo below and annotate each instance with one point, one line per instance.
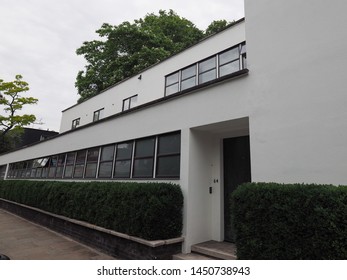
(128, 48)
(216, 26)
(12, 101)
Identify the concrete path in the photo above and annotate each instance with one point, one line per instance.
(23, 240)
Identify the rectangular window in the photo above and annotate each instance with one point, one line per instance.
(188, 77)
(106, 161)
(98, 115)
(212, 68)
(2, 171)
(79, 164)
(168, 156)
(123, 160)
(172, 83)
(129, 103)
(229, 61)
(144, 158)
(70, 161)
(75, 123)
(60, 166)
(207, 70)
(92, 162)
(52, 166)
(45, 163)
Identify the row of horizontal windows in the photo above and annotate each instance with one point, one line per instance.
(152, 157)
(219, 65)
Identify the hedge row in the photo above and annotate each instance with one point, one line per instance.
(148, 210)
(298, 221)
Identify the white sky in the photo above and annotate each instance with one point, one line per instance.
(38, 39)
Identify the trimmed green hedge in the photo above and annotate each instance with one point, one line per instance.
(290, 221)
(148, 210)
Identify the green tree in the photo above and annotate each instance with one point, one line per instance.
(216, 26)
(12, 101)
(128, 48)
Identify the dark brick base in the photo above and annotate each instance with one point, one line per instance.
(110, 242)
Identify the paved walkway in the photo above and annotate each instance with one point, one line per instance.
(23, 240)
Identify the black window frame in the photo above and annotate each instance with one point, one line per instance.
(103, 161)
(123, 159)
(129, 102)
(142, 157)
(96, 115)
(68, 164)
(75, 123)
(168, 85)
(160, 155)
(91, 161)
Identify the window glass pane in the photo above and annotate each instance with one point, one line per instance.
(44, 172)
(172, 79)
(51, 173)
(61, 160)
(91, 170)
(107, 153)
(133, 101)
(44, 162)
(143, 167)
(169, 144)
(124, 150)
(68, 171)
(59, 172)
(229, 68)
(188, 83)
(81, 156)
(96, 116)
(70, 158)
(33, 173)
(78, 173)
(145, 147)
(122, 169)
(207, 76)
(38, 172)
(54, 161)
(188, 72)
(27, 174)
(229, 56)
(171, 89)
(126, 104)
(105, 170)
(207, 64)
(93, 155)
(168, 166)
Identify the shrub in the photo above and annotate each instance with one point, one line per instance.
(282, 221)
(148, 210)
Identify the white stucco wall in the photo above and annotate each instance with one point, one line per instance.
(297, 84)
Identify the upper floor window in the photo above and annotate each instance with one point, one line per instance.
(75, 123)
(214, 67)
(188, 78)
(172, 83)
(207, 70)
(129, 103)
(99, 114)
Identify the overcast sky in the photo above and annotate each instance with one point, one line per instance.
(38, 39)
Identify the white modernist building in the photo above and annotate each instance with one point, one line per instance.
(263, 100)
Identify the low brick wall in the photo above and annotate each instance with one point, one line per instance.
(110, 242)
